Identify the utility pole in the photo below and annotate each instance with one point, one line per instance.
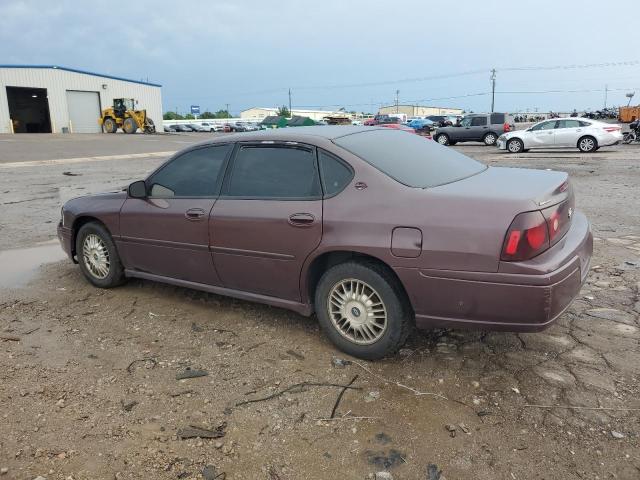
(290, 112)
(493, 88)
(606, 90)
(227, 110)
(397, 99)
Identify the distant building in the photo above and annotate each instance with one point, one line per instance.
(260, 113)
(54, 99)
(419, 110)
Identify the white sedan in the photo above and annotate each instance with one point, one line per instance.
(581, 133)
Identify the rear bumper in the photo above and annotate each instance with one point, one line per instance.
(65, 236)
(508, 301)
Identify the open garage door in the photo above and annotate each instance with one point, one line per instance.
(84, 111)
(29, 110)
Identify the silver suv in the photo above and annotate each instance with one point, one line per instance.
(477, 127)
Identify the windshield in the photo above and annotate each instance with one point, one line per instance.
(410, 159)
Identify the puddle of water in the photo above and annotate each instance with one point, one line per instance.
(20, 265)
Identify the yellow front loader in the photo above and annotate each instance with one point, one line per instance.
(124, 115)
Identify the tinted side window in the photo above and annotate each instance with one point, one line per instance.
(584, 124)
(545, 126)
(568, 124)
(478, 121)
(194, 174)
(274, 172)
(497, 118)
(335, 174)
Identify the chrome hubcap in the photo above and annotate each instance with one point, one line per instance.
(514, 147)
(490, 139)
(442, 140)
(357, 311)
(96, 256)
(586, 144)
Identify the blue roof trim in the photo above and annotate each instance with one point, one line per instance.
(75, 70)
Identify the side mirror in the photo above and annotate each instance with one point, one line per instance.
(138, 189)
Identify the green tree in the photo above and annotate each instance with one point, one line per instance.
(222, 114)
(188, 116)
(206, 115)
(283, 111)
(172, 116)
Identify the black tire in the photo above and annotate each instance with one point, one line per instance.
(115, 271)
(129, 125)
(110, 125)
(452, 142)
(399, 315)
(515, 145)
(490, 139)
(587, 144)
(442, 139)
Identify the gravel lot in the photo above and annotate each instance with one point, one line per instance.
(88, 385)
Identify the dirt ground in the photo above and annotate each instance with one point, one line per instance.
(88, 386)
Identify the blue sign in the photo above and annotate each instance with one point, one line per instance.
(195, 109)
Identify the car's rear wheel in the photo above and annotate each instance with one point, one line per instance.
(363, 310)
(587, 144)
(98, 257)
(490, 139)
(515, 145)
(442, 139)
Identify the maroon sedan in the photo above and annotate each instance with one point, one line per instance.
(373, 229)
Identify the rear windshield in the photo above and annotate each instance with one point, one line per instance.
(410, 159)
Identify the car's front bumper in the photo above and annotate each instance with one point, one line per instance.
(504, 300)
(65, 236)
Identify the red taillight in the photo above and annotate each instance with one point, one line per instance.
(531, 233)
(537, 236)
(512, 242)
(527, 237)
(611, 129)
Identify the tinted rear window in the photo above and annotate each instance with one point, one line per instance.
(410, 159)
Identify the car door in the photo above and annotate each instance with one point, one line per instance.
(479, 128)
(567, 133)
(167, 233)
(268, 218)
(541, 135)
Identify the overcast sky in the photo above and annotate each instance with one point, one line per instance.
(334, 53)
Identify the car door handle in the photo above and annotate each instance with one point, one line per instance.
(194, 214)
(301, 219)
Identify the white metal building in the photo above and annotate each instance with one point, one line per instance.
(259, 113)
(419, 110)
(53, 99)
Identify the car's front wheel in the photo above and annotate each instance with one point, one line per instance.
(98, 257)
(490, 139)
(442, 139)
(587, 144)
(515, 145)
(363, 310)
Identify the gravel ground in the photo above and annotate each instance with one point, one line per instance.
(88, 386)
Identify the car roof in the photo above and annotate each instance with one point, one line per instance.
(302, 134)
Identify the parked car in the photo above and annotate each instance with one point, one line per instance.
(181, 127)
(213, 218)
(442, 120)
(585, 135)
(421, 124)
(483, 127)
(196, 127)
(169, 128)
(211, 127)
